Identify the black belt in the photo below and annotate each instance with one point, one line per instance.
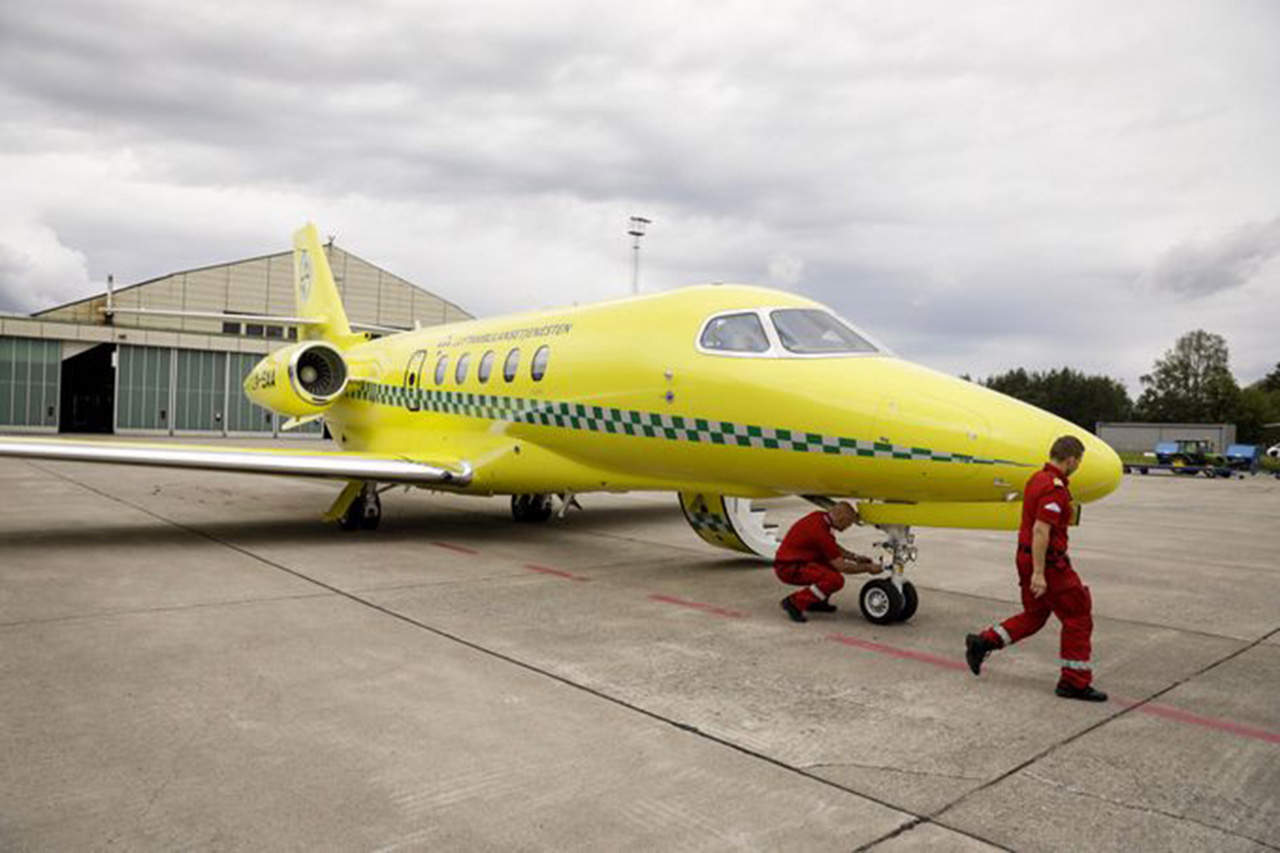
(1049, 552)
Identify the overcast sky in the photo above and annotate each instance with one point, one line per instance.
(980, 185)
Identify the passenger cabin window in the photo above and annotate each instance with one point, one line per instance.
(538, 367)
(511, 365)
(810, 331)
(460, 372)
(735, 333)
(442, 369)
(486, 366)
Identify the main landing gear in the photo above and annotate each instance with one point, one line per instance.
(365, 512)
(539, 508)
(892, 599)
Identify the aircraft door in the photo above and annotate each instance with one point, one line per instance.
(413, 380)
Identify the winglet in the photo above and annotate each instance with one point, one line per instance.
(315, 290)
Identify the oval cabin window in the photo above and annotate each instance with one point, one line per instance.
(538, 367)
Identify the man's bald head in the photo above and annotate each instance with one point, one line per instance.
(842, 515)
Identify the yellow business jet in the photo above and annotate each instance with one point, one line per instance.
(724, 394)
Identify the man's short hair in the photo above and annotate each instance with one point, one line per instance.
(1067, 447)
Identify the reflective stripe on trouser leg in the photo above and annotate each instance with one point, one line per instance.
(1002, 634)
(1076, 664)
(818, 593)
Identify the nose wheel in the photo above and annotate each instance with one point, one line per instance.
(883, 603)
(893, 599)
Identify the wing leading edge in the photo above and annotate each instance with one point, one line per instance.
(323, 464)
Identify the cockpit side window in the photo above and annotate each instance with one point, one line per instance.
(735, 333)
(808, 331)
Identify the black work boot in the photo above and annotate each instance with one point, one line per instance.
(1085, 694)
(822, 607)
(976, 650)
(796, 614)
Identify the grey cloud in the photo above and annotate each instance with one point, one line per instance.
(1203, 268)
(942, 176)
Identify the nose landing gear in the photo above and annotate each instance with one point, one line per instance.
(893, 599)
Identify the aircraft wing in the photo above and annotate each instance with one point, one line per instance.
(290, 462)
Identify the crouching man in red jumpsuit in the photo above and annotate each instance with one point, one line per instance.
(1049, 584)
(809, 556)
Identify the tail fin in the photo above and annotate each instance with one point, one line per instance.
(316, 292)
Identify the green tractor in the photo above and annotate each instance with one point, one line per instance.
(1190, 456)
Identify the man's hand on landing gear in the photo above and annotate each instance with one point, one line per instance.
(852, 564)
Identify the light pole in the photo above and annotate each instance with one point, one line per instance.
(638, 225)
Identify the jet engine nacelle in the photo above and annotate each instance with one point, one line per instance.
(299, 380)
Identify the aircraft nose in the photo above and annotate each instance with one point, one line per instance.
(1100, 471)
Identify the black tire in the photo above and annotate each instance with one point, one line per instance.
(880, 601)
(910, 601)
(531, 509)
(1143, 470)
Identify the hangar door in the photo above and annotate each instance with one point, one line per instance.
(142, 388)
(29, 370)
(161, 389)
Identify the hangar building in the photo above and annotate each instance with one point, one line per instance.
(69, 369)
(1134, 437)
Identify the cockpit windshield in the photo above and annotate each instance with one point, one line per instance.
(735, 333)
(809, 331)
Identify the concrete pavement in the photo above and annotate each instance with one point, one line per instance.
(193, 660)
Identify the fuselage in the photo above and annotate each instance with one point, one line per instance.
(629, 399)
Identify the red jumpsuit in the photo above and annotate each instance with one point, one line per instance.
(804, 559)
(1046, 498)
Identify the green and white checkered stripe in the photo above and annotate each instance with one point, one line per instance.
(710, 522)
(579, 416)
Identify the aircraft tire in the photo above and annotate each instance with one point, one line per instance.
(531, 509)
(910, 601)
(881, 602)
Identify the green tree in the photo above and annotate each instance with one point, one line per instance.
(1255, 410)
(1270, 382)
(1068, 393)
(1192, 382)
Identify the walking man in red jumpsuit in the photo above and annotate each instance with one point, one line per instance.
(809, 556)
(1049, 584)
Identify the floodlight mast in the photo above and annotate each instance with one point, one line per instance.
(637, 230)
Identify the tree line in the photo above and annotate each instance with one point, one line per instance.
(1190, 383)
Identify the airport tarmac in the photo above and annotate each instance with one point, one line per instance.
(193, 660)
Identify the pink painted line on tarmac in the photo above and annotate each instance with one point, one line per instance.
(893, 651)
(547, 570)
(1151, 708)
(1177, 715)
(452, 547)
(698, 605)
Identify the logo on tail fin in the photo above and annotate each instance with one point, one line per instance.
(304, 275)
